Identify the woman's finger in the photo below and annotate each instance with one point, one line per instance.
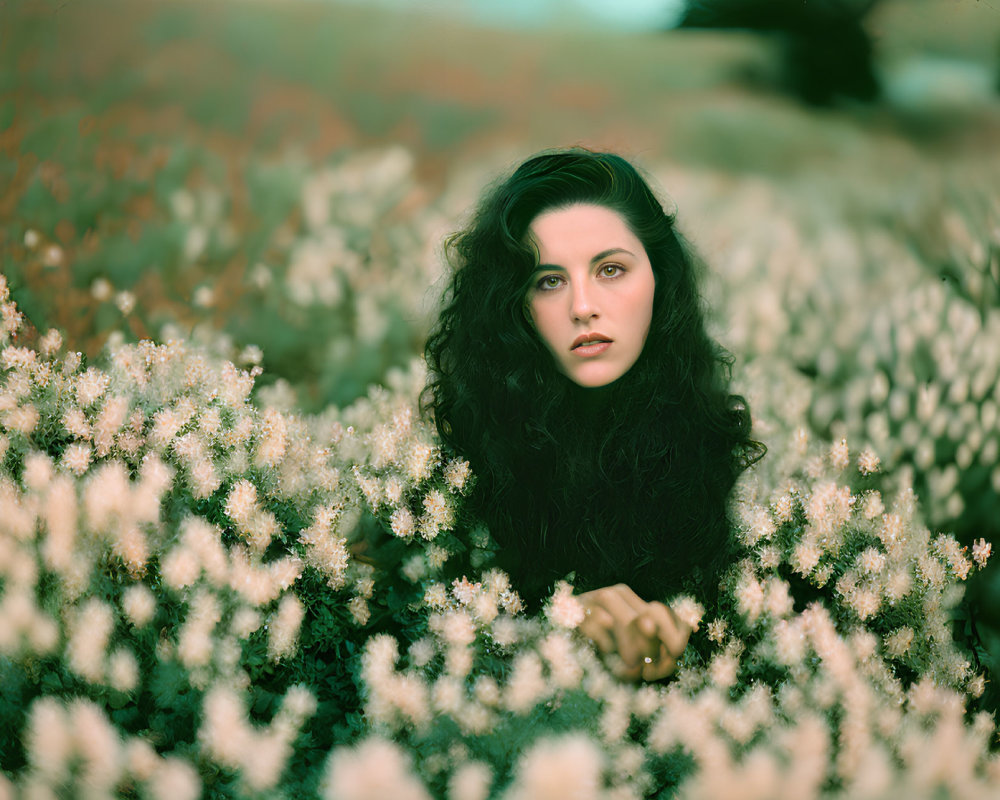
(633, 643)
(638, 639)
(624, 593)
(660, 667)
(597, 626)
(668, 628)
(620, 604)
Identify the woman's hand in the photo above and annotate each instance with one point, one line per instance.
(648, 638)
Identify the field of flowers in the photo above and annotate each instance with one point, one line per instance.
(235, 561)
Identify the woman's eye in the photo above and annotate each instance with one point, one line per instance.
(611, 270)
(548, 282)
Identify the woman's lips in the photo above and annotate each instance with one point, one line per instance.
(591, 349)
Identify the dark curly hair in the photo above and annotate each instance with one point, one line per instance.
(623, 483)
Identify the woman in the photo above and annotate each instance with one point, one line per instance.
(571, 367)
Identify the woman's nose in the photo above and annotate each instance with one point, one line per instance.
(583, 302)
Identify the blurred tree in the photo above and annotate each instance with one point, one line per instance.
(827, 52)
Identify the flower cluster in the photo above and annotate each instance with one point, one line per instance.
(781, 696)
(898, 331)
(927, 395)
(154, 533)
(405, 479)
(203, 589)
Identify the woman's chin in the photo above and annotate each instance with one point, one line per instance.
(596, 376)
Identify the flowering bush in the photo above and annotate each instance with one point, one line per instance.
(340, 255)
(150, 539)
(828, 668)
(199, 594)
(896, 330)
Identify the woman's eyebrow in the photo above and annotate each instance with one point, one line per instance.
(603, 254)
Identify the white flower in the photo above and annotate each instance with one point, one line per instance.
(868, 462)
(487, 691)
(37, 471)
(527, 685)
(564, 609)
(436, 556)
(393, 490)
(471, 781)
(370, 487)
(372, 770)
(457, 628)
(420, 460)
(789, 642)
(464, 590)
(873, 505)
(568, 768)
(75, 422)
(101, 290)
(778, 601)
(18, 358)
(749, 595)
(125, 301)
(438, 512)
(76, 458)
(421, 652)
(456, 473)
(245, 621)
(180, 567)
(360, 612)
(865, 601)
(90, 386)
(204, 296)
(283, 629)
(840, 455)
(688, 610)
(22, 419)
(898, 585)
(123, 671)
(86, 648)
(784, 508)
(402, 523)
(723, 670)
(898, 642)
(196, 643)
(242, 502)
(805, 557)
(717, 630)
(757, 523)
(871, 561)
(166, 425)
(175, 779)
(204, 480)
(49, 741)
(557, 650)
(436, 596)
(981, 550)
(769, 557)
(139, 604)
(274, 442)
(976, 686)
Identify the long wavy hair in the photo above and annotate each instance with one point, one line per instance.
(622, 483)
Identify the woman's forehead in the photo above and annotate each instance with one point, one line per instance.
(580, 229)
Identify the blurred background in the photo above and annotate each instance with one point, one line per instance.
(274, 179)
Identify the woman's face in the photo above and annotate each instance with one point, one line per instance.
(591, 298)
